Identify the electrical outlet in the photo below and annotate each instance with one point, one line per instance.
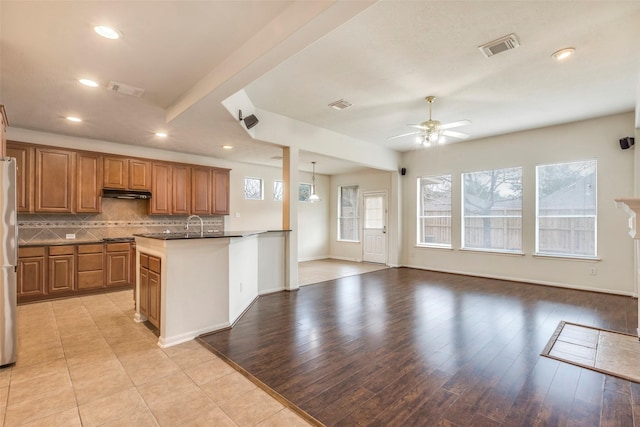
(593, 271)
(237, 214)
(71, 236)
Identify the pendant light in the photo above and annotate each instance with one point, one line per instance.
(313, 197)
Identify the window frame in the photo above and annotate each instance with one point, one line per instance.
(356, 217)
(244, 189)
(537, 251)
(420, 210)
(463, 216)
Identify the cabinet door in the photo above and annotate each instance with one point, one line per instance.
(116, 172)
(3, 131)
(181, 181)
(153, 314)
(160, 188)
(24, 156)
(118, 273)
(55, 173)
(61, 273)
(30, 277)
(88, 182)
(201, 191)
(144, 292)
(139, 174)
(221, 192)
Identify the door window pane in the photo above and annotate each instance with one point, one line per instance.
(348, 221)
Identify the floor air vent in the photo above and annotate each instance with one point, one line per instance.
(500, 45)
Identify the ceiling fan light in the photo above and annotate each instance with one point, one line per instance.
(433, 137)
(426, 143)
(441, 140)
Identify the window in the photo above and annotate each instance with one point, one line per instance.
(434, 211)
(278, 190)
(348, 214)
(253, 188)
(492, 210)
(566, 209)
(304, 191)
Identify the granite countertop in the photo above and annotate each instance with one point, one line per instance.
(205, 235)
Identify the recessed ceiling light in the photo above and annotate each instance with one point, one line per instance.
(88, 82)
(563, 53)
(227, 147)
(107, 32)
(74, 119)
(161, 134)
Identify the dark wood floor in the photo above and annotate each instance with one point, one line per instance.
(404, 347)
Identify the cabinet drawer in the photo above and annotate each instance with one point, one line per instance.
(144, 260)
(90, 262)
(61, 250)
(90, 249)
(154, 264)
(36, 251)
(90, 279)
(117, 247)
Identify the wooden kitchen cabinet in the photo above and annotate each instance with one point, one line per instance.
(61, 274)
(127, 174)
(161, 188)
(201, 195)
(88, 182)
(31, 273)
(139, 175)
(25, 178)
(220, 192)
(55, 179)
(150, 288)
(181, 189)
(3, 131)
(90, 271)
(118, 264)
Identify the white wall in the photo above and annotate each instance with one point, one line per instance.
(591, 139)
(367, 181)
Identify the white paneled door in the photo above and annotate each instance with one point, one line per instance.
(375, 228)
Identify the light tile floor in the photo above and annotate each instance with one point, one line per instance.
(611, 352)
(84, 362)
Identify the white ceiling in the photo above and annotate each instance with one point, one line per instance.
(295, 57)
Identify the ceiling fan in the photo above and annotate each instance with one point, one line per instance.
(433, 131)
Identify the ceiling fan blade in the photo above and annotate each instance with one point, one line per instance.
(404, 134)
(455, 124)
(455, 134)
(418, 127)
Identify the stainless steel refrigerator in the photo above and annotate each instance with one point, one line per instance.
(8, 261)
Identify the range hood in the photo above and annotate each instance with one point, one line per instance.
(125, 194)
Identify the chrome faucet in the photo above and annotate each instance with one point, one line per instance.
(186, 226)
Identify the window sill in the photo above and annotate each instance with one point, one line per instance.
(568, 257)
(348, 241)
(423, 245)
(487, 251)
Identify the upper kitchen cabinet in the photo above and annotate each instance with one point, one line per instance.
(55, 179)
(3, 131)
(161, 188)
(221, 192)
(181, 183)
(201, 194)
(25, 156)
(127, 174)
(88, 182)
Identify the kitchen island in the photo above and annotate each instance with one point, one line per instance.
(188, 284)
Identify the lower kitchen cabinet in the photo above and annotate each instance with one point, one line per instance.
(61, 269)
(118, 264)
(31, 272)
(90, 266)
(150, 288)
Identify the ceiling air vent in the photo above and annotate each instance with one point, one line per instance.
(125, 89)
(500, 45)
(340, 104)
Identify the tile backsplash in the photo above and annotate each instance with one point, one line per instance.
(119, 218)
